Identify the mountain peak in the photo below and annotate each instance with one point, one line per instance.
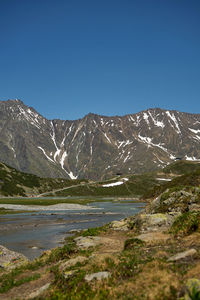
(95, 146)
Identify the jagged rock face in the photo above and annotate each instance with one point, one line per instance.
(95, 146)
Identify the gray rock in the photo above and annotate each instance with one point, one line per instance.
(91, 241)
(119, 225)
(153, 206)
(154, 222)
(39, 291)
(68, 274)
(97, 276)
(182, 255)
(72, 262)
(153, 237)
(10, 259)
(88, 241)
(194, 207)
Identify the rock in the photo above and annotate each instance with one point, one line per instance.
(72, 262)
(153, 206)
(88, 241)
(68, 274)
(97, 276)
(10, 259)
(153, 237)
(93, 241)
(75, 230)
(194, 207)
(154, 222)
(39, 291)
(192, 288)
(182, 255)
(119, 225)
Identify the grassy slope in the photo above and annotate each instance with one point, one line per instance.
(15, 183)
(190, 177)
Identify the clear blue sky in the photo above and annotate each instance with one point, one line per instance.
(67, 58)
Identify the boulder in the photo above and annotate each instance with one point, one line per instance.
(38, 292)
(98, 276)
(154, 222)
(10, 259)
(87, 241)
(151, 237)
(194, 207)
(72, 262)
(91, 241)
(182, 255)
(119, 225)
(68, 274)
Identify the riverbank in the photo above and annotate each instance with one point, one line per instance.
(152, 255)
(53, 207)
(45, 229)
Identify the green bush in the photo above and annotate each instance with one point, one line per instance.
(186, 223)
(133, 244)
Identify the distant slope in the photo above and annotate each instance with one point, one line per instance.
(190, 177)
(16, 183)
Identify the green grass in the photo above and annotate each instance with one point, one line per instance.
(94, 231)
(10, 280)
(181, 167)
(186, 223)
(62, 252)
(4, 211)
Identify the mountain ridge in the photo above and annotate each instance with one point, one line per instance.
(95, 146)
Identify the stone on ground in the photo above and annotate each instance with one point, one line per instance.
(90, 241)
(119, 225)
(10, 259)
(38, 292)
(72, 262)
(154, 222)
(97, 276)
(182, 255)
(153, 237)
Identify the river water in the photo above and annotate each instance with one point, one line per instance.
(34, 232)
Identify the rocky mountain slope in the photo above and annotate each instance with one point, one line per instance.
(95, 147)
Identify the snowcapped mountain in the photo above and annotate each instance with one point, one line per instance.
(95, 146)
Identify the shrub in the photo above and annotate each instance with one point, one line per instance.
(186, 223)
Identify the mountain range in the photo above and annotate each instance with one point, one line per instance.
(95, 147)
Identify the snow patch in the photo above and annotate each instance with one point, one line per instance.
(71, 175)
(195, 131)
(164, 179)
(173, 118)
(115, 183)
(46, 154)
(156, 122)
(107, 137)
(64, 155)
(191, 158)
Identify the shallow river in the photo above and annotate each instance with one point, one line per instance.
(34, 232)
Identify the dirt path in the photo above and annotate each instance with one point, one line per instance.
(73, 186)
